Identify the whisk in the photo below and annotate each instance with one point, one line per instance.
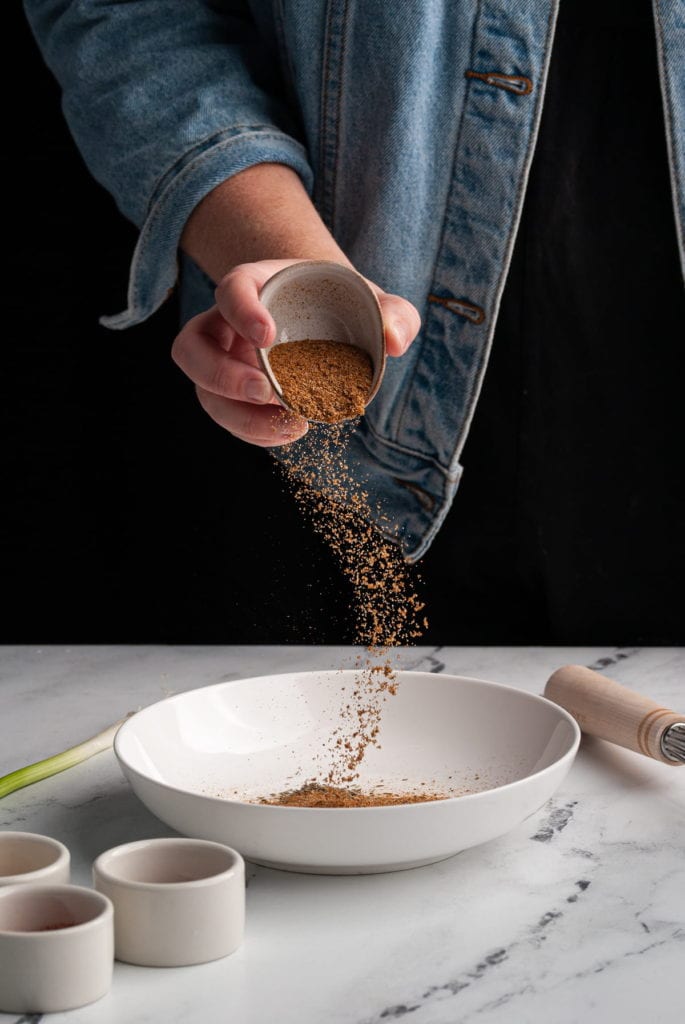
(606, 709)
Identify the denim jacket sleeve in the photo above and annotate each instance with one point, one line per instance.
(165, 99)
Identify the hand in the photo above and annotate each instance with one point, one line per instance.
(217, 351)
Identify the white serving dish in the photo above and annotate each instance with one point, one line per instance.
(197, 759)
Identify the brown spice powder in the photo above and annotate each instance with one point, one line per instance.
(324, 381)
(387, 614)
(314, 794)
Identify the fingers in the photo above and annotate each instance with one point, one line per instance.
(209, 352)
(217, 351)
(237, 297)
(229, 383)
(262, 425)
(402, 322)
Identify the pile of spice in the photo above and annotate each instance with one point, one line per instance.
(387, 610)
(315, 794)
(322, 380)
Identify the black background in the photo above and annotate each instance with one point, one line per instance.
(128, 516)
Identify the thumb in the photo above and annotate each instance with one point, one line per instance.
(402, 322)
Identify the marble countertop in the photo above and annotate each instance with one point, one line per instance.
(576, 915)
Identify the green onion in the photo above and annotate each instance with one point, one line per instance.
(60, 762)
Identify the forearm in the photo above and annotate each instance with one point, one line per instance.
(263, 212)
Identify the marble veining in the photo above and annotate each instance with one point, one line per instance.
(620, 654)
(577, 915)
(556, 820)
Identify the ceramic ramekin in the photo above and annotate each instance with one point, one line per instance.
(56, 947)
(26, 857)
(176, 901)
(323, 299)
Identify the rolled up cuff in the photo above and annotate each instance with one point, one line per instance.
(154, 266)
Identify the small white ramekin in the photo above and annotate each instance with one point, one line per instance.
(323, 299)
(26, 857)
(177, 901)
(56, 947)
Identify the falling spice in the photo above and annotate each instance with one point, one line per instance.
(387, 613)
(324, 381)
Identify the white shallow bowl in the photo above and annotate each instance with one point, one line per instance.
(199, 758)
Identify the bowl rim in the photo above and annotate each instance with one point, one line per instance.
(62, 859)
(564, 715)
(28, 892)
(102, 869)
(354, 278)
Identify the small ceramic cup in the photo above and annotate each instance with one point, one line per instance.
(56, 947)
(323, 299)
(27, 857)
(176, 901)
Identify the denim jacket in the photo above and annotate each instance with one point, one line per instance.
(412, 125)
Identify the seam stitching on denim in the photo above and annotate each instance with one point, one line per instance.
(338, 108)
(443, 233)
(331, 100)
(320, 188)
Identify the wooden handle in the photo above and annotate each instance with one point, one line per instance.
(604, 708)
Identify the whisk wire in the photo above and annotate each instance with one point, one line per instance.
(673, 742)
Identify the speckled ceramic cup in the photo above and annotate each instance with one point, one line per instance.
(26, 857)
(176, 901)
(56, 947)
(323, 299)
